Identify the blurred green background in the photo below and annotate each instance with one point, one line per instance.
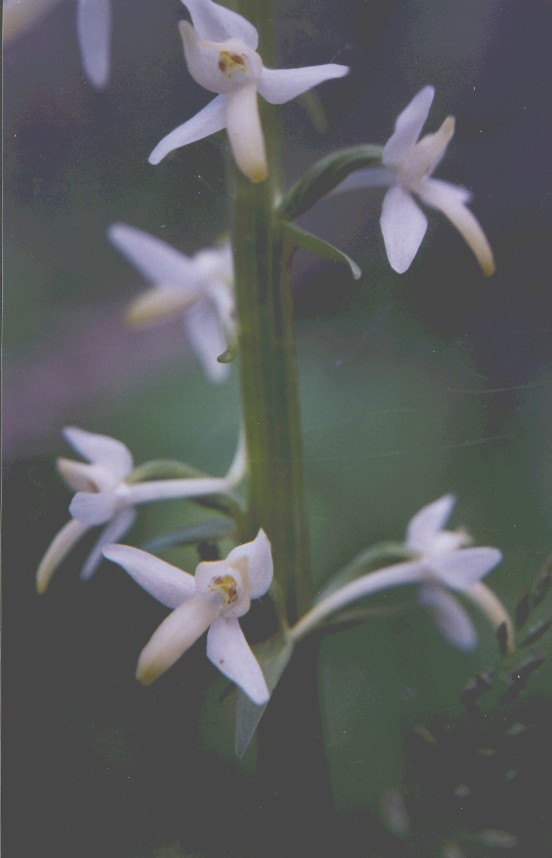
(412, 386)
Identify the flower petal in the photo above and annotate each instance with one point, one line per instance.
(224, 303)
(408, 127)
(202, 59)
(101, 450)
(205, 334)
(258, 554)
(423, 158)
(156, 260)
(94, 35)
(95, 507)
(174, 636)
(229, 651)
(158, 305)
(441, 196)
(403, 225)
(82, 477)
(209, 120)
(449, 616)
(57, 551)
(114, 530)
(245, 132)
(460, 569)
(217, 23)
(426, 524)
(281, 85)
(168, 584)
(462, 194)
(495, 611)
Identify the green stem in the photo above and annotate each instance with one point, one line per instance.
(268, 365)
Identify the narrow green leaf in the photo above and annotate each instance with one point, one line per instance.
(324, 176)
(203, 531)
(317, 246)
(273, 655)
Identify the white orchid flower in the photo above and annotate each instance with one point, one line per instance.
(221, 53)
(197, 288)
(105, 496)
(459, 571)
(427, 538)
(94, 35)
(408, 167)
(214, 599)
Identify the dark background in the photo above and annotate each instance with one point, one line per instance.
(415, 385)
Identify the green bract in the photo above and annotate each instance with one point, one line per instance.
(324, 176)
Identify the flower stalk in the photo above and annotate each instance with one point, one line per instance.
(267, 360)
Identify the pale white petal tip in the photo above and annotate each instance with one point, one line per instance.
(147, 672)
(44, 575)
(257, 173)
(425, 529)
(403, 225)
(229, 651)
(57, 551)
(156, 156)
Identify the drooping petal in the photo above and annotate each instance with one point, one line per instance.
(156, 260)
(101, 450)
(426, 524)
(166, 583)
(281, 85)
(159, 304)
(174, 636)
(459, 570)
(408, 127)
(258, 555)
(495, 611)
(94, 35)
(207, 340)
(245, 132)
(113, 531)
(57, 551)
(209, 120)
(95, 507)
(216, 23)
(403, 225)
(439, 195)
(449, 616)
(229, 651)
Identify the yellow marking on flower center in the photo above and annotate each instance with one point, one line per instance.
(227, 586)
(229, 63)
